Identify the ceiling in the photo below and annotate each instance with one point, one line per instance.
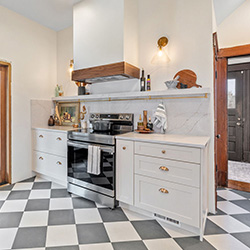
(54, 14)
(223, 8)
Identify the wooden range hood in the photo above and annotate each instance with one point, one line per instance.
(106, 73)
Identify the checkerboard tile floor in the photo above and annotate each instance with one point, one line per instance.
(37, 214)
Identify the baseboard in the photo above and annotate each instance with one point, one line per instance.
(239, 185)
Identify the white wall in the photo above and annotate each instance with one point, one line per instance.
(31, 48)
(64, 55)
(234, 30)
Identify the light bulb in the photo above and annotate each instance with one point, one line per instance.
(160, 57)
(160, 52)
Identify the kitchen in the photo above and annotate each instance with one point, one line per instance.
(132, 38)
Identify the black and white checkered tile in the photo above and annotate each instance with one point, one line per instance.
(37, 214)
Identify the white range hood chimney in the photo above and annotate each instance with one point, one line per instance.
(106, 36)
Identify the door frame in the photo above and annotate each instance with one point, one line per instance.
(222, 58)
(9, 112)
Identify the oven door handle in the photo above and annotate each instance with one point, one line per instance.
(85, 145)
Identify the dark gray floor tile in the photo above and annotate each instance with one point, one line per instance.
(79, 202)
(193, 243)
(243, 237)
(42, 185)
(31, 237)
(37, 204)
(1, 203)
(92, 233)
(242, 193)
(32, 179)
(243, 204)
(212, 228)
(63, 248)
(10, 219)
(244, 218)
(59, 193)
(138, 245)
(150, 229)
(61, 217)
(218, 212)
(109, 215)
(19, 195)
(221, 188)
(7, 188)
(220, 198)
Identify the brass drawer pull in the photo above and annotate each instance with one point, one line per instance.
(59, 163)
(40, 136)
(124, 148)
(58, 138)
(163, 151)
(163, 190)
(163, 168)
(41, 158)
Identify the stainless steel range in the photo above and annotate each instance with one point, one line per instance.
(98, 186)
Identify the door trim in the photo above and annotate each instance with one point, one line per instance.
(239, 185)
(9, 132)
(224, 54)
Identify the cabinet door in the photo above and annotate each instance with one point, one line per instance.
(125, 171)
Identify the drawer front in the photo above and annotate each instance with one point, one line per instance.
(168, 152)
(50, 142)
(175, 201)
(167, 170)
(40, 162)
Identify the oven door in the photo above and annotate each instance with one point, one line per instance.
(77, 168)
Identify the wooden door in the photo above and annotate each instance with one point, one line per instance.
(235, 115)
(3, 124)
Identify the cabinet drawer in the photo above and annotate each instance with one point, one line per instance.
(178, 202)
(168, 152)
(50, 142)
(174, 171)
(50, 165)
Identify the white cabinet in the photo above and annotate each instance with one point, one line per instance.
(125, 171)
(50, 154)
(168, 180)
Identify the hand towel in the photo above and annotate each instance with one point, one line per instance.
(94, 160)
(161, 118)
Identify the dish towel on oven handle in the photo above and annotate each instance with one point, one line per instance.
(161, 118)
(94, 160)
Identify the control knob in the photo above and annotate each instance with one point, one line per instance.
(121, 117)
(127, 117)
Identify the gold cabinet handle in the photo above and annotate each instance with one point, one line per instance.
(163, 168)
(58, 138)
(163, 151)
(40, 136)
(163, 190)
(58, 163)
(124, 148)
(41, 158)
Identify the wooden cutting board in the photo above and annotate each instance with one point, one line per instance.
(187, 77)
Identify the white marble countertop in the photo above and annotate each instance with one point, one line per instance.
(179, 140)
(64, 129)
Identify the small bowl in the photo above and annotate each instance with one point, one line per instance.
(171, 84)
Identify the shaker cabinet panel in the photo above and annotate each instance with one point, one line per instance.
(125, 171)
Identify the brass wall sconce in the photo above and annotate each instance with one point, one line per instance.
(161, 56)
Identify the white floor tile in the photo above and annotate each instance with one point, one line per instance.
(57, 186)
(225, 242)
(104, 246)
(230, 208)
(7, 236)
(39, 194)
(14, 206)
(40, 179)
(176, 232)
(65, 235)
(229, 195)
(161, 244)
(121, 231)
(4, 195)
(23, 186)
(88, 215)
(229, 224)
(34, 219)
(135, 216)
(60, 203)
